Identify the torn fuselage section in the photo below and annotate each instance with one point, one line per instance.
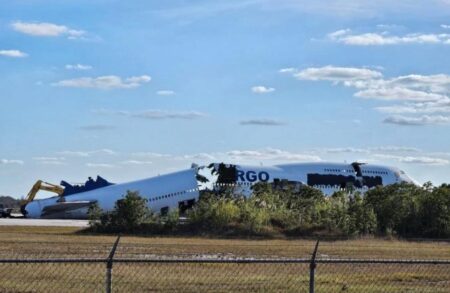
(90, 184)
(163, 193)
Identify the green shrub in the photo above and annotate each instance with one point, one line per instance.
(402, 209)
(128, 215)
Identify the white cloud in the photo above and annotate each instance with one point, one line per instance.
(416, 121)
(445, 26)
(99, 165)
(287, 70)
(416, 108)
(165, 92)
(156, 114)
(45, 29)
(422, 94)
(262, 122)
(78, 67)
(151, 155)
(415, 160)
(379, 39)
(346, 150)
(87, 153)
(8, 162)
(439, 83)
(337, 74)
(399, 93)
(271, 154)
(201, 156)
(338, 33)
(371, 150)
(50, 160)
(262, 89)
(13, 53)
(105, 82)
(136, 162)
(395, 149)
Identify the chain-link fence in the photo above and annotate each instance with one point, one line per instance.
(151, 273)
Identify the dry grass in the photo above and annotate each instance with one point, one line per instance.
(62, 241)
(58, 242)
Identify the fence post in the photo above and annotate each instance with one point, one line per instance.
(109, 266)
(312, 268)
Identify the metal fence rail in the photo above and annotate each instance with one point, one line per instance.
(168, 274)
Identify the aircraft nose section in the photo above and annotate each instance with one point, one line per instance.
(407, 179)
(31, 210)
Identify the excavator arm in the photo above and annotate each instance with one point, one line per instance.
(42, 185)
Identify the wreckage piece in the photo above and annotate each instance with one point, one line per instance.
(162, 193)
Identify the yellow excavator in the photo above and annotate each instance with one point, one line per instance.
(42, 185)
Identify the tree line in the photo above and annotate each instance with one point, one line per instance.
(403, 209)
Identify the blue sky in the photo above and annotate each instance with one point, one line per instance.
(131, 89)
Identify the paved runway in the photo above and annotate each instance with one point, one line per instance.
(43, 222)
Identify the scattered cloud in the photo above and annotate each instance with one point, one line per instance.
(346, 150)
(398, 93)
(156, 114)
(87, 153)
(417, 121)
(9, 162)
(445, 26)
(371, 150)
(420, 94)
(78, 67)
(415, 160)
(391, 148)
(200, 156)
(271, 154)
(50, 160)
(99, 165)
(150, 155)
(45, 29)
(136, 162)
(262, 122)
(287, 70)
(439, 83)
(165, 92)
(378, 39)
(13, 53)
(416, 108)
(105, 82)
(262, 89)
(97, 127)
(337, 74)
(389, 26)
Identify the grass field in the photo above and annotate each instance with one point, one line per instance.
(59, 242)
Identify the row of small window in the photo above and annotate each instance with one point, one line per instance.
(233, 184)
(173, 194)
(339, 170)
(375, 172)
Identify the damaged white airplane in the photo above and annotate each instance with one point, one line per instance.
(182, 189)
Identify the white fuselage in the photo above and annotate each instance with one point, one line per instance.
(182, 188)
(328, 177)
(165, 191)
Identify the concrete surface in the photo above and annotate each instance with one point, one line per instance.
(43, 222)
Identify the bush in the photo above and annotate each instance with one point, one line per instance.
(128, 215)
(435, 213)
(400, 209)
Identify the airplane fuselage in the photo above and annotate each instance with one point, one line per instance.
(181, 189)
